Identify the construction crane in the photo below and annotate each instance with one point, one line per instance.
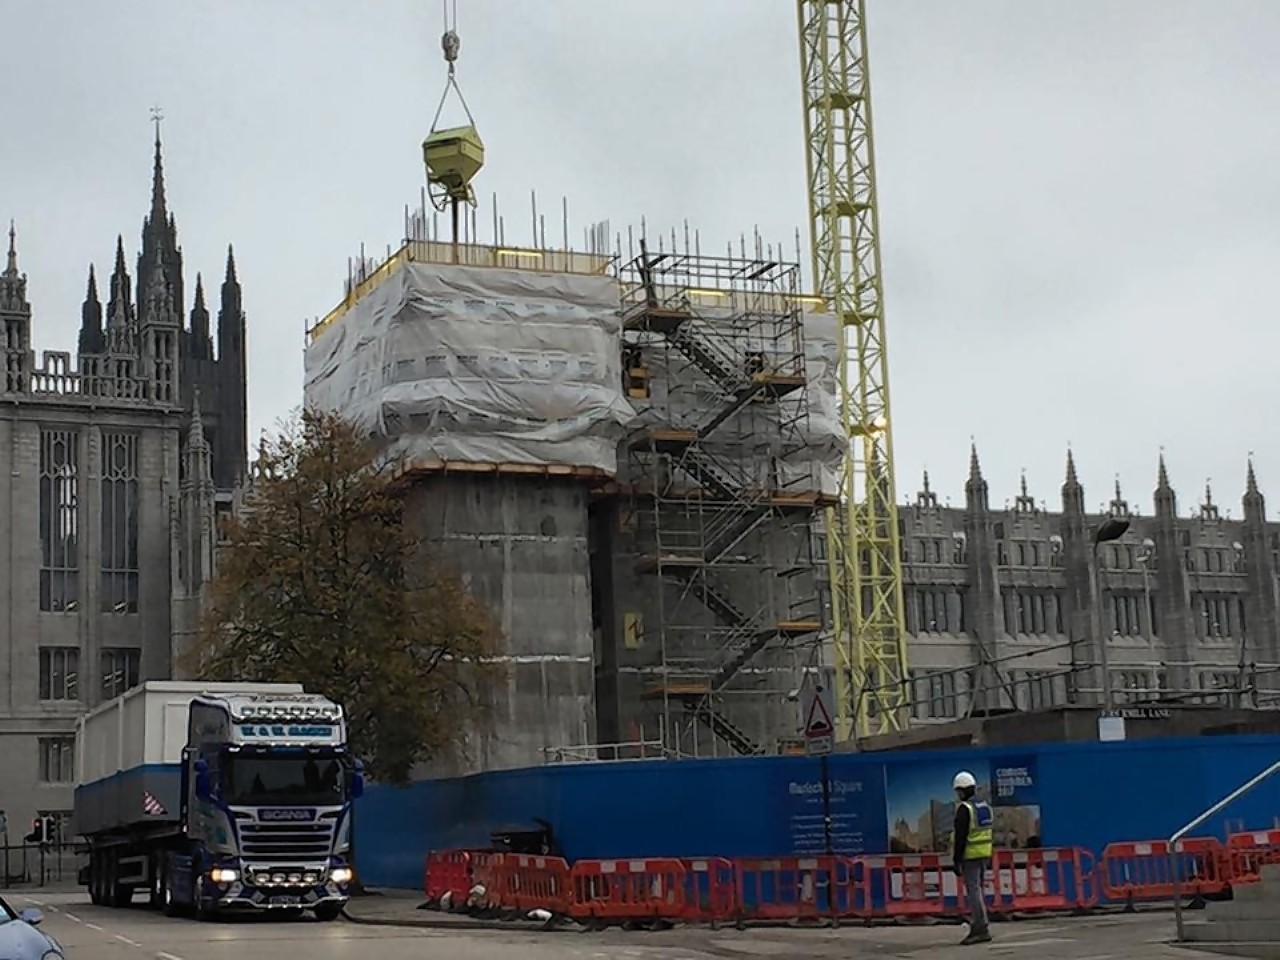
(863, 540)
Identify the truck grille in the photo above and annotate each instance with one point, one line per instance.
(286, 841)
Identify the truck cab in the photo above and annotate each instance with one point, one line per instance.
(268, 789)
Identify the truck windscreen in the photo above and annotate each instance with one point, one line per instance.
(285, 781)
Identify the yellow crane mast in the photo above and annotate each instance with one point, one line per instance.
(863, 541)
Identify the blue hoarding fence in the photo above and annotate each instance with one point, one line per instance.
(1083, 796)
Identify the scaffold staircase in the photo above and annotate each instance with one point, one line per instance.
(746, 354)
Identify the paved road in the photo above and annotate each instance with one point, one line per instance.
(94, 933)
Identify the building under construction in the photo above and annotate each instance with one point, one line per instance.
(626, 457)
(623, 457)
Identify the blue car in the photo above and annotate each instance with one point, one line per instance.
(19, 938)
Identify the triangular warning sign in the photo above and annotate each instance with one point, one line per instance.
(818, 723)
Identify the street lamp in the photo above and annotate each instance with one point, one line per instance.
(1111, 528)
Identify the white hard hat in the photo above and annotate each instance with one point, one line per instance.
(963, 779)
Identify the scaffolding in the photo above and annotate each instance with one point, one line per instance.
(723, 495)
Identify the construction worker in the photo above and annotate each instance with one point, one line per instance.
(971, 847)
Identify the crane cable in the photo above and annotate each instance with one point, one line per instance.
(451, 44)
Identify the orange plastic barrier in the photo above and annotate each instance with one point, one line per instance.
(711, 890)
(530, 883)
(487, 873)
(907, 885)
(448, 872)
(794, 888)
(1052, 878)
(1249, 852)
(1134, 872)
(622, 890)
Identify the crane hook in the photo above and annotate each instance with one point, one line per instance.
(451, 44)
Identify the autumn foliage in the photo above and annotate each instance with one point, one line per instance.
(323, 585)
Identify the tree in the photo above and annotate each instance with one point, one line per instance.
(322, 584)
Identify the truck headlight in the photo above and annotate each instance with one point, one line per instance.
(224, 875)
(341, 874)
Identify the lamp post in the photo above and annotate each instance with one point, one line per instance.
(1111, 528)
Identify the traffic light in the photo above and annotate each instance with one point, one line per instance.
(44, 829)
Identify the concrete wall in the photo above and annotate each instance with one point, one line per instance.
(520, 546)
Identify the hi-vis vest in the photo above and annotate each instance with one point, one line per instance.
(979, 845)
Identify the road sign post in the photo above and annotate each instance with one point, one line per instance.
(819, 731)
(819, 739)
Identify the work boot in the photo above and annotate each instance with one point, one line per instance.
(976, 936)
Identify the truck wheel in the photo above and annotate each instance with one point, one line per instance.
(95, 879)
(328, 912)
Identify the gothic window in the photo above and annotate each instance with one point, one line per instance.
(934, 696)
(1126, 615)
(932, 613)
(1030, 613)
(1218, 616)
(57, 759)
(1132, 685)
(1039, 690)
(1213, 681)
(59, 520)
(120, 668)
(119, 593)
(59, 673)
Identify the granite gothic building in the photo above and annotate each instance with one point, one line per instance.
(1006, 605)
(117, 463)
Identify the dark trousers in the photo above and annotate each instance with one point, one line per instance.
(975, 876)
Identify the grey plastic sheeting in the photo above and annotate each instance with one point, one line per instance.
(480, 366)
(459, 364)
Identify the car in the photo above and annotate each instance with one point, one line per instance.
(19, 938)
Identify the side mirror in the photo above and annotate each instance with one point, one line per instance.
(31, 916)
(203, 788)
(355, 788)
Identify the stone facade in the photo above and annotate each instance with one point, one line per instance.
(117, 462)
(1001, 608)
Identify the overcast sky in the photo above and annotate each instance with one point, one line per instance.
(1080, 201)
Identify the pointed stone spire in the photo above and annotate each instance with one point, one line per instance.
(1208, 509)
(1119, 506)
(1255, 506)
(195, 432)
(975, 468)
(1072, 491)
(159, 215)
(201, 344)
(926, 499)
(231, 265)
(11, 264)
(92, 340)
(13, 284)
(120, 307)
(975, 488)
(1025, 503)
(1166, 502)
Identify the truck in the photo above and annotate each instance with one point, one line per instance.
(212, 798)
